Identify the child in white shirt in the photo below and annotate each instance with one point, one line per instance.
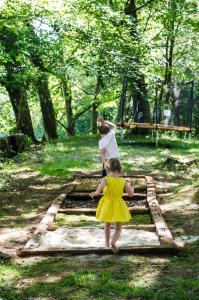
(107, 144)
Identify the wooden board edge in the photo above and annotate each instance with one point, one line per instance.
(146, 227)
(134, 209)
(77, 176)
(163, 231)
(123, 250)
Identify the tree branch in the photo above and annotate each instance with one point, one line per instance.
(145, 4)
(62, 125)
(78, 114)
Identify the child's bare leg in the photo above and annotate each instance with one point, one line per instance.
(116, 235)
(107, 231)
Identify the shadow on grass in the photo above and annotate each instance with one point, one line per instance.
(26, 203)
(163, 143)
(95, 277)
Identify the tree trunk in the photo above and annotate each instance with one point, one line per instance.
(66, 88)
(12, 144)
(196, 117)
(95, 103)
(94, 118)
(161, 92)
(20, 106)
(122, 103)
(14, 84)
(140, 97)
(169, 51)
(47, 108)
(191, 106)
(139, 93)
(41, 84)
(169, 61)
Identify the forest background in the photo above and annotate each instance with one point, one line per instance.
(64, 62)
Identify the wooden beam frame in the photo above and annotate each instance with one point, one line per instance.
(145, 250)
(85, 196)
(79, 211)
(167, 243)
(138, 190)
(154, 126)
(147, 227)
(96, 176)
(163, 232)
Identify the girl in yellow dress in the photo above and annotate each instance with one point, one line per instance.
(111, 207)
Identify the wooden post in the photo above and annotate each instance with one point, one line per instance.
(145, 250)
(162, 229)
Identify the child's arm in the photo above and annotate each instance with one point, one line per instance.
(99, 189)
(102, 156)
(110, 124)
(129, 189)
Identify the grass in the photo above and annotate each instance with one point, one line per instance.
(80, 154)
(103, 278)
(97, 277)
(85, 220)
(75, 221)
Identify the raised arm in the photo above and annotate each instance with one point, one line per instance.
(110, 124)
(99, 189)
(129, 189)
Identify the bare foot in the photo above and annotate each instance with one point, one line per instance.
(114, 248)
(107, 245)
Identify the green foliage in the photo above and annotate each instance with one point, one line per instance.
(82, 41)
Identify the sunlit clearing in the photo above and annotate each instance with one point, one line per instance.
(1, 3)
(8, 273)
(145, 280)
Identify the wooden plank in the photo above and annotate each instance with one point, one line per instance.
(168, 244)
(46, 221)
(123, 250)
(146, 227)
(123, 124)
(162, 229)
(157, 126)
(96, 176)
(138, 190)
(77, 211)
(85, 196)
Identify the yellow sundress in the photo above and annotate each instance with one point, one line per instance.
(111, 207)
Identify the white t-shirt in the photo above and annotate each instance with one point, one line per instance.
(108, 142)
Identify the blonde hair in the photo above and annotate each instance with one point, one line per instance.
(113, 165)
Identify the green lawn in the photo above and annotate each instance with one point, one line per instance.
(92, 276)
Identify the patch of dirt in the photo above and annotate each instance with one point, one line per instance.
(71, 203)
(90, 184)
(179, 163)
(23, 206)
(181, 212)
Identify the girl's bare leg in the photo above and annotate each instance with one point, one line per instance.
(107, 231)
(116, 235)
